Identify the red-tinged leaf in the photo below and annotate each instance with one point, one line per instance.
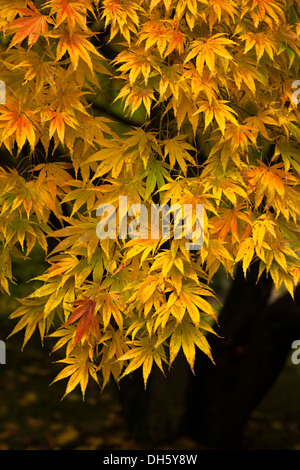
(32, 24)
(20, 123)
(86, 312)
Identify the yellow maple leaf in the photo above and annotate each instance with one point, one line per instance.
(77, 46)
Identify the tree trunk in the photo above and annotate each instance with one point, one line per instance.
(257, 339)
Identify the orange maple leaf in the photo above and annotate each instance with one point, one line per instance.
(86, 312)
(31, 24)
(20, 122)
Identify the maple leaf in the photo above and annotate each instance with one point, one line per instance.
(245, 72)
(20, 122)
(205, 84)
(86, 313)
(122, 17)
(229, 221)
(36, 69)
(77, 46)
(111, 304)
(261, 43)
(135, 96)
(264, 10)
(32, 24)
(260, 121)
(219, 111)
(31, 313)
(205, 51)
(137, 63)
(143, 353)
(78, 370)
(72, 11)
(270, 181)
(176, 149)
(218, 10)
(182, 337)
(165, 35)
(246, 253)
(58, 121)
